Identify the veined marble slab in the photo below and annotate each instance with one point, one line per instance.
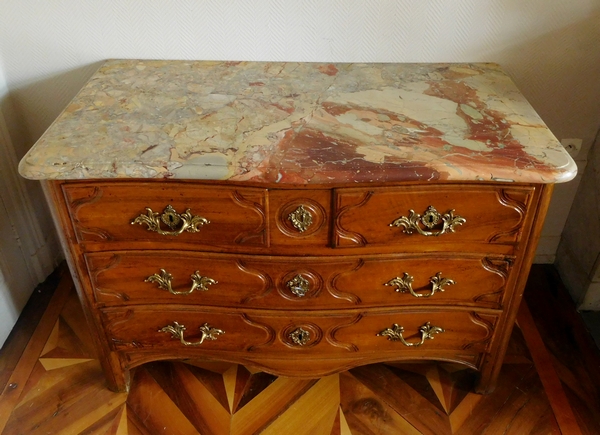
(300, 123)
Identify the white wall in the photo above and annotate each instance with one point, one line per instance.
(550, 48)
(29, 249)
(578, 255)
(27, 252)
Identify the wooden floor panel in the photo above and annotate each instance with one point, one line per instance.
(61, 390)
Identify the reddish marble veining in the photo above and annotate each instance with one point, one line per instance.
(491, 128)
(299, 123)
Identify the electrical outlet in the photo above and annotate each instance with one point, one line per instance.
(573, 146)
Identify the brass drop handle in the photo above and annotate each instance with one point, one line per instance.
(176, 330)
(395, 333)
(298, 285)
(164, 281)
(404, 284)
(430, 219)
(301, 218)
(186, 221)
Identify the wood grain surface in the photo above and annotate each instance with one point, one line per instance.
(61, 390)
(252, 244)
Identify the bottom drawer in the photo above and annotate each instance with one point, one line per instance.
(297, 333)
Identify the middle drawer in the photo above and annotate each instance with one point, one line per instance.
(175, 277)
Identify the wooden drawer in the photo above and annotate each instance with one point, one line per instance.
(224, 216)
(299, 219)
(322, 333)
(395, 216)
(297, 283)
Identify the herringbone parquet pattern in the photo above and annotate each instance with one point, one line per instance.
(65, 393)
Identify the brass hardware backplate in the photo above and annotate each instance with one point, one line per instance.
(427, 332)
(301, 218)
(186, 221)
(298, 285)
(300, 336)
(176, 330)
(404, 284)
(164, 281)
(430, 219)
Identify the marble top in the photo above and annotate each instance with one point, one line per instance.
(299, 123)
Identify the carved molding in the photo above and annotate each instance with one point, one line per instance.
(500, 267)
(268, 330)
(260, 235)
(114, 319)
(94, 195)
(342, 236)
(507, 198)
(95, 271)
(264, 277)
(330, 337)
(488, 325)
(334, 291)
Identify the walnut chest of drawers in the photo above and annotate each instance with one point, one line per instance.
(302, 219)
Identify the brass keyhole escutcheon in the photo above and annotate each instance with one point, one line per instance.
(171, 219)
(301, 218)
(431, 219)
(185, 221)
(300, 336)
(298, 285)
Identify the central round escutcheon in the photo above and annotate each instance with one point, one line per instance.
(300, 218)
(301, 335)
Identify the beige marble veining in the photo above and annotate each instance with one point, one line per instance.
(299, 123)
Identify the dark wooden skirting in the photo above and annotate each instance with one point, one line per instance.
(52, 383)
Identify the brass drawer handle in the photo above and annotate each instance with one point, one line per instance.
(301, 218)
(395, 333)
(164, 280)
(300, 336)
(430, 219)
(208, 333)
(404, 284)
(298, 285)
(172, 219)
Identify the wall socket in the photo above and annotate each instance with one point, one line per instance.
(573, 146)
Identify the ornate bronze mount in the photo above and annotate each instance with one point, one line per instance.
(430, 219)
(165, 279)
(208, 333)
(298, 285)
(404, 284)
(186, 221)
(301, 218)
(300, 336)
(395, 333)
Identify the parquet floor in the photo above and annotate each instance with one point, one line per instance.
(55, 386)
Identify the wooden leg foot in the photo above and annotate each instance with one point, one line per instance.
(117, 377)
(484, 387)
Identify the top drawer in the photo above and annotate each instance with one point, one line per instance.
(429, 217)
(182, 212)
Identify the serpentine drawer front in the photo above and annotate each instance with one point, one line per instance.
(264, 333)
(302, 219)
(179, 277)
